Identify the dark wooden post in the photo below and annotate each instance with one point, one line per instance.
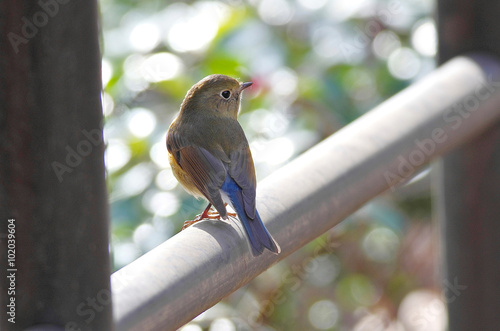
(53, 200)
(469, 195)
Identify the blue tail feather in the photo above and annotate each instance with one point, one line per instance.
(256, 232)
(259, 236)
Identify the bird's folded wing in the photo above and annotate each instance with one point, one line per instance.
(242, 170)
(207, 171)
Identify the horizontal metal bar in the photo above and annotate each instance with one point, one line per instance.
(195, 269)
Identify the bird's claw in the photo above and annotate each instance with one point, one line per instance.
(189, 223)
(213, 215)
(198, 218)
(207, 214)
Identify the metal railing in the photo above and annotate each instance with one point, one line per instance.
(195, 269)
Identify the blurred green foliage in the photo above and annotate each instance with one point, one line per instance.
(316, 66)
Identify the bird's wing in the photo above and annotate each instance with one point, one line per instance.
(207, 172)
(242, 170)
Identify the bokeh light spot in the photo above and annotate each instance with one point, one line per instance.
(404, 63)
(424, 38)
(323, 314)
(191, 327)
(159, 154)
(197, 26)
(124, 253)
(357, 290)
(144, 37)
(284, 82)
(312, 4)
(141, 122)
(381, 245)
(117, 154)
(161, 66)
(363, 290)
(222, 324)
(135, 180)
(327, 269)
(325, 42)
(423, 310)
(361, 85)
(385, 43)
(133, 78)
(161, 203)
(275, 12)
(166, 180)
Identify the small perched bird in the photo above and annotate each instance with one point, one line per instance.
(210, 156)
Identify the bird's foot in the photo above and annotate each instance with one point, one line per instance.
(187, 224)
(213, 215)
(208, 213)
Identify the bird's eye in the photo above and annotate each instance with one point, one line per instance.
(225, 94)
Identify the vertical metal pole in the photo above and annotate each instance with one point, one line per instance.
(469, 192)
(53, 205)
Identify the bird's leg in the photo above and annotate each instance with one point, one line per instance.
(197, 218)
(214, 214)
(230, 214)
(207, 214)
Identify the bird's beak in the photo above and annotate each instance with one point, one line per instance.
(245, 85)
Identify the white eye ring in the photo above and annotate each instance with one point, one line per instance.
(225, 94)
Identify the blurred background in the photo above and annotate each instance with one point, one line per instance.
(316, 66)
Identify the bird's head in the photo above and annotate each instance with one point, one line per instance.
(218, 94)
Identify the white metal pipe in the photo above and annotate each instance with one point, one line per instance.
(195, 269)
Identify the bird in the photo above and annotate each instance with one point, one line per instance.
(210, 156)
